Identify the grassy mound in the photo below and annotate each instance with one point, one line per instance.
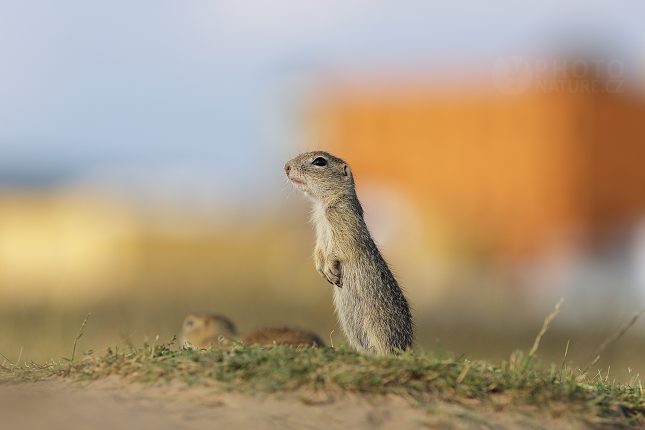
(419, 376)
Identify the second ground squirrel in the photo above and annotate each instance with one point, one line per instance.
(371, 308)
(204, 329)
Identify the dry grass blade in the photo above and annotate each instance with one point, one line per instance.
(80, 333)
(545, 327)
(3, 356)
(564, 360)
(621, 331)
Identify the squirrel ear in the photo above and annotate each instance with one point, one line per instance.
(345, 170)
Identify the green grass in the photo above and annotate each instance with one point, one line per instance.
(421, 376)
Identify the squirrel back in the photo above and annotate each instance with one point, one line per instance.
(281, 335)
(204, 329)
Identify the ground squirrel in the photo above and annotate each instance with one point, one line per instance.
(371, 308)
(202, 330)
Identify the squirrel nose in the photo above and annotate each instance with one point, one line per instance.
(287, 168)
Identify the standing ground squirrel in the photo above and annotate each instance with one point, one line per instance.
(202, 330)
(371, 307)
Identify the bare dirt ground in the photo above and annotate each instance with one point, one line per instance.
(113, 404)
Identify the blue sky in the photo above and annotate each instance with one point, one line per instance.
(157, 86)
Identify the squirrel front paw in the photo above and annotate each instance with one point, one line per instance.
(332, 272)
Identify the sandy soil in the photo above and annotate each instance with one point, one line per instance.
(113, 404)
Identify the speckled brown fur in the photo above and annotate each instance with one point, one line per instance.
(204, 329)
(371, 307)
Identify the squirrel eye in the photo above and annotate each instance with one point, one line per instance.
(319, 162)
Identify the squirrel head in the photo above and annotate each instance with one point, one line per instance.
(321, 176)
(200, 328)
